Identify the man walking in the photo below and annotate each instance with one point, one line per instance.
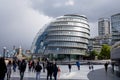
(22, 69)
(106, 66)
(49, 70)
(38, 69)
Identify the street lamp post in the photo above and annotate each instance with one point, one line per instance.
(4, 51)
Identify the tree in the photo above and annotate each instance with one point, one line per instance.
(105, 52)
(93, 54)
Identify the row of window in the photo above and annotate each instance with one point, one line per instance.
(70, 23)
(69, 33)
(68, 28)
(72, 19)
(67, 44)
(115, 17)
(116, 37)
(66, 38)
(57, 50)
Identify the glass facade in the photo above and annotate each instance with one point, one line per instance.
(115, 26)
(66, 35)
(115, 58)
(103, 26)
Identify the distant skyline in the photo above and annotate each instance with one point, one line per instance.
(20, 20)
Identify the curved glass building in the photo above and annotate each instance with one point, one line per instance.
(66, 37)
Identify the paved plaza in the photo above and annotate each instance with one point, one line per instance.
(83, 74)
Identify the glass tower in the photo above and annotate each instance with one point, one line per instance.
(65, 36)
(115, 26)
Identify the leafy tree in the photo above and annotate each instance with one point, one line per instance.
(105, 52)
(93, 54)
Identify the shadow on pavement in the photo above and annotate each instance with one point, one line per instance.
(100, 74)
(27, 78)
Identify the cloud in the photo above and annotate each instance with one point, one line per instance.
(20, 20)
(69, 3)
(56, 5)
(19, 23)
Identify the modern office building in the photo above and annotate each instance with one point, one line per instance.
(103, 26)
(65, 38)
(115, 57)
(115, 27)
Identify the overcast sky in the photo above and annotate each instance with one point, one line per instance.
(20, 20)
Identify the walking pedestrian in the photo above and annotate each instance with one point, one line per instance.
(113, 64)
(33, 66)
(69, 67)
(14, 65)
(89, 64)
(9, 69)
(55, 71)
(49, 70)
(43, 64)
(3, 68)
(38, 69)
(92, 67)
(29, 66)
(59, 73)
(22, 69)
(78, 65)
(106, 66)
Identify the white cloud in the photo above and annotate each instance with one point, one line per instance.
(19, 23)
(70, 3)
(57, 5)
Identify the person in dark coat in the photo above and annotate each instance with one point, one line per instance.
(22, 69)
(55, 71)
(69, 66)
(113, 64)
(3, 68)
(106, 66)
(49, 70)
(14, 65)
(38, 69)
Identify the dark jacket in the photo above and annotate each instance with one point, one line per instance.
(38, 68)
(49, 68)
(3, 68)
(22, 66)
(55, 70)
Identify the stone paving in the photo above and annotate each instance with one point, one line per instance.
(83, 74)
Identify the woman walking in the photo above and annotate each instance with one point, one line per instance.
(9, 65)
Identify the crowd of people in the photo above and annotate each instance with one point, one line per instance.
(52, 69)
(33, 66)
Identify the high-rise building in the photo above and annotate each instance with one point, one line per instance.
(65, 37)
(103, 26)
(115, 27)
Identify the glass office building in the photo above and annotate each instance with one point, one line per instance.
(115, 58)
(115, 27)
(64, 38)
